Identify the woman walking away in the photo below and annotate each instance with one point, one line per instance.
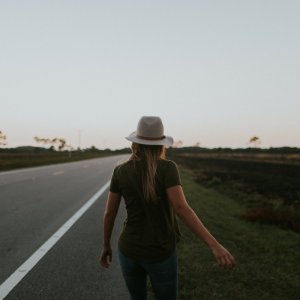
(151, 188)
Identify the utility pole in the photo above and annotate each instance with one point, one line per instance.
(79, 136)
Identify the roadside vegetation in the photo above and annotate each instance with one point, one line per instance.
(260, 157)
(290, 155)
(270, 191)
(28, 160)
(35, 156)
(28, 156)
(266, 256)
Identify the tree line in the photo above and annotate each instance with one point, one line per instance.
(176, 148)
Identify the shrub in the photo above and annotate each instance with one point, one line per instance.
(285, 217)
(214, 181)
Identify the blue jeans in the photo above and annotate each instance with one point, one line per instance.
(163, 277)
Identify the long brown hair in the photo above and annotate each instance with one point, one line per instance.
(149, 156)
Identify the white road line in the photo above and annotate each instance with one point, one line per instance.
(57, 173)
(21, 272)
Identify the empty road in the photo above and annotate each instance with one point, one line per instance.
(35, 204)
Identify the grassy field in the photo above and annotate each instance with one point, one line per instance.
(267, 257)
(11, 161)
(278, 158)
(271, 191)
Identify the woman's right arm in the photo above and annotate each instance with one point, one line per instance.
(190, 219)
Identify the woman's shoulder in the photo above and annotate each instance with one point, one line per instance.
(122, 165)
(170, 173)
(120, 168)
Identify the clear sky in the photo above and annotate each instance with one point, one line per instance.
(217, 72)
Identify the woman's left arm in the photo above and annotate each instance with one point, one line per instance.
(111, 211)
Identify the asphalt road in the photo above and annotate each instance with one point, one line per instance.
(34, 204)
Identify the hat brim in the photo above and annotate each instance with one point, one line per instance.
(166, 141)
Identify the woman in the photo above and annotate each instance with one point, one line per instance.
(151, 188)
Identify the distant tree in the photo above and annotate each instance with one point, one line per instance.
(62, 142)
(2, 137)
(69, 147)
(45, 141)
(169, 150)
(177, 144)
(255, 141)
(194, 149)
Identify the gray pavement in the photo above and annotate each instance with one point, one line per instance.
(36, 202)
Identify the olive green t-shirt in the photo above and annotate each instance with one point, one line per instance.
(150, 231)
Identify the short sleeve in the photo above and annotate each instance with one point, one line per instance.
(114, 184)
(172, 176)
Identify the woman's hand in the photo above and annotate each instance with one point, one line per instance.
(106, 251)
(223, 256)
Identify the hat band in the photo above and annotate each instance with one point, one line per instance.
(149, 139)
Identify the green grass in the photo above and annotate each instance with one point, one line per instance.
(12, 161)
(267, 257)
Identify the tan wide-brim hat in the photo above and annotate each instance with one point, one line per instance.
(150, 131)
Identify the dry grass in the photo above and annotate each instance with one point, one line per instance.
(265, 255)
(278, 158)
(11, 161)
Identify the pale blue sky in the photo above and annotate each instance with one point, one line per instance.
(216, 72)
